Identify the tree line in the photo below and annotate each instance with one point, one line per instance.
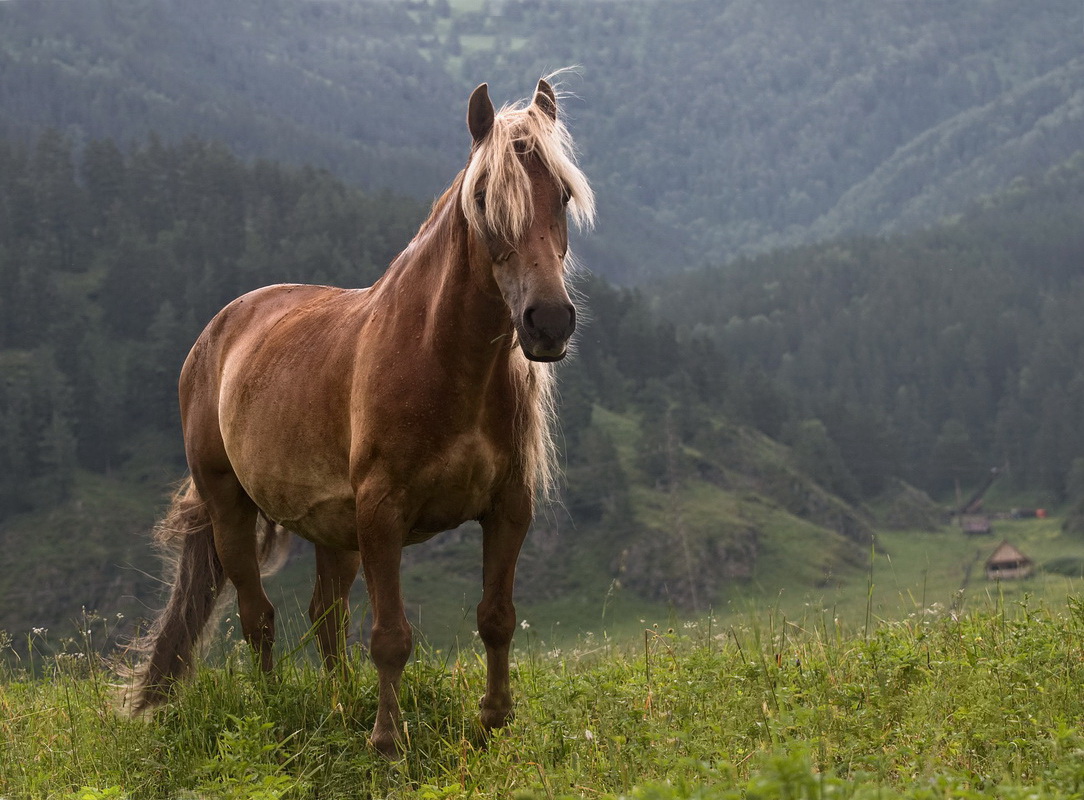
(933, 356)
(112, 261)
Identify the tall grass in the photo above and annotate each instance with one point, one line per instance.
(935, 705)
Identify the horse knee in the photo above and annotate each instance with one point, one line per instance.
(496, 623)
(390, 646)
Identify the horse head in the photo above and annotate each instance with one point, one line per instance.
(519, 190)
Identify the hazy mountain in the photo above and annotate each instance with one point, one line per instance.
(710, 129)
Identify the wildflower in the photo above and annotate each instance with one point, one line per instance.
(525, 624)
(588, 735)
(39, 631)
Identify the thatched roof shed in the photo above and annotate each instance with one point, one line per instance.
(1008, 563)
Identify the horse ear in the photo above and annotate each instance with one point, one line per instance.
(480, 113)
(546, 99)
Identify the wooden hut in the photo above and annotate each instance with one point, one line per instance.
(1008, 563)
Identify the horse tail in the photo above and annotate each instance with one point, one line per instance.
(165, 653)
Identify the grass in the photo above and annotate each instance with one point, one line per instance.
(979, 703)
(901, 672)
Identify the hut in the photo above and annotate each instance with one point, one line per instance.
(1008, 563)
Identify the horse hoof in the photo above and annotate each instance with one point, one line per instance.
(493, 718)
(388, 746)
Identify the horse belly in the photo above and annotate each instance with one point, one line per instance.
(295, 481)
(330, 522)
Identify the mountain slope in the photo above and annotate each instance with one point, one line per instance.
(710, 129)
(974, 152)
(931, 355)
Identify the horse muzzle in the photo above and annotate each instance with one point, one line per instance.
(545, 329)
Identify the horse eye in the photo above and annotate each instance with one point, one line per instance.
(480, 199)
(566, 196)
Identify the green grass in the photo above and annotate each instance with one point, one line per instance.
(981, 703)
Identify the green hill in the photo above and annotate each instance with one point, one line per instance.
(707, 461)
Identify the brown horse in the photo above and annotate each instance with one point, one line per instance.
(370, 419)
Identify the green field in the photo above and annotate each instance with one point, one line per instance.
(974, 704)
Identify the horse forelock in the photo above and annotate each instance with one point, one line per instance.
(496, 169)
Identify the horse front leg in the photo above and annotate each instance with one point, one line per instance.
(503, 533)
(380, 540)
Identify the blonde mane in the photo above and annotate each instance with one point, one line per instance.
(496, 169)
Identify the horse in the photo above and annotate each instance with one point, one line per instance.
(366, 420)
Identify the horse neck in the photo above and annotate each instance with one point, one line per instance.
(440, 281)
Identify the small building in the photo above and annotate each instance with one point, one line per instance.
(1007, 563)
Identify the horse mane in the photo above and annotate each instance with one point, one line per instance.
(495, 167)
(535, 383)
(537, 412)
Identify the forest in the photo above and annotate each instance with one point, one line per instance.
(710, 129)
(112, 267)
(793, 294)
(932, 356)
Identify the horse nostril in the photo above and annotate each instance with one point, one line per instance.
(554, 321)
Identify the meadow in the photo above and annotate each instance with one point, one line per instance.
(975, 703)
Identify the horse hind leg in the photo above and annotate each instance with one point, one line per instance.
(233, 517)
(330, 606)
(185, 535)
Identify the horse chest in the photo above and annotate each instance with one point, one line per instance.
(456, 485)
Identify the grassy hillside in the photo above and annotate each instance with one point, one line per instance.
(969, 704)
(92, 552)
(753, 533)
